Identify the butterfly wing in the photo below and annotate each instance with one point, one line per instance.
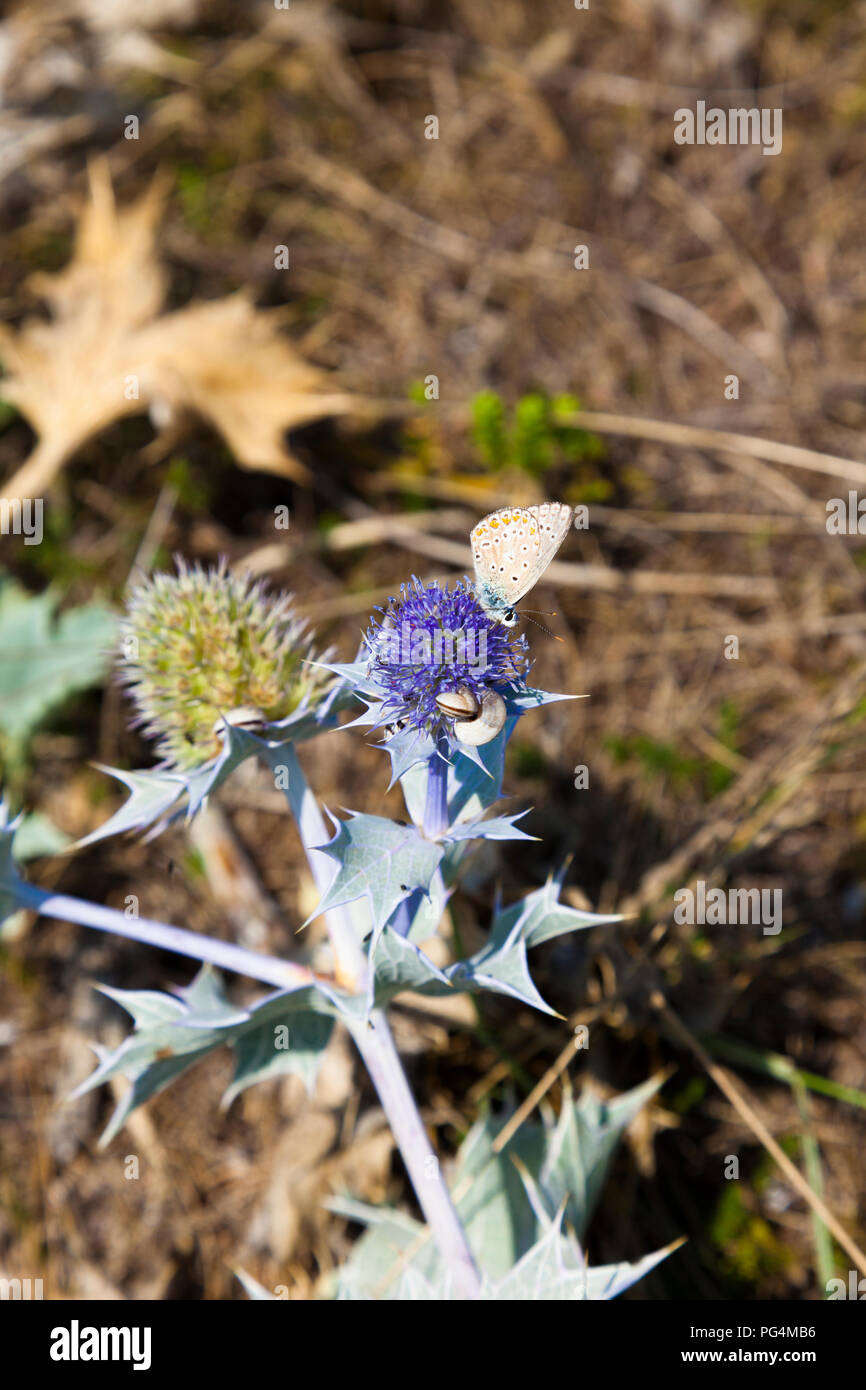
(554, 523)
(512, 548)
(497, 542)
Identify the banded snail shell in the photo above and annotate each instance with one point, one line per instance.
(487, 723)
(245, 717)
(459, 703)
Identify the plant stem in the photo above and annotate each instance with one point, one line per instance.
(375, 1043)
(349, 959)
(436, 803)
(377, 1048)
(269, 969)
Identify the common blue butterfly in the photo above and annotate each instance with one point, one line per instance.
(511, 549)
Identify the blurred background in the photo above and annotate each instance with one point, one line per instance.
(242, 268)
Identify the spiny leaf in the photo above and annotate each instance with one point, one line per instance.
(152, 795)
(500, 966)
(37, 836)
(159, 797)
(379, 861)
(407, 749)
(284, 1032)
(580, 1147)
(609, 1281)
(540, 916)
(496, 828)
(46, 659)
(522, 1249)
(399, 965)
(257, 1059)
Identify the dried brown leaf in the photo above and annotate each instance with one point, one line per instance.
(79, 372)
(226, 361)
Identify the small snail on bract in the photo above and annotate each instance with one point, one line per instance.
(245, 717)
(459, 703)
(487, 723)
(474, 722)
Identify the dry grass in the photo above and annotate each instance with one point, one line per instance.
(454, 257)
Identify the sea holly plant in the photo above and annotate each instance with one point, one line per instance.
(221, 672)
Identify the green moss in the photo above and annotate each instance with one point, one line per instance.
(690, 1095)
(192, 494)
(749, 1246)
(537, 437)
(527, 760)
(657, 758)
(488, 429)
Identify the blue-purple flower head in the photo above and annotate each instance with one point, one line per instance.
(433, 640)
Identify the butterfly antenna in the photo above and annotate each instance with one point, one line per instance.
(543, 628)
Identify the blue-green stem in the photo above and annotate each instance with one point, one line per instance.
(269, 969)
(436, 802)
(375, 1041)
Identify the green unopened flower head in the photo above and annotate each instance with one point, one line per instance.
(199, 644)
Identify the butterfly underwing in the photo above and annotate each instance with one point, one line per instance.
(511, 550)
